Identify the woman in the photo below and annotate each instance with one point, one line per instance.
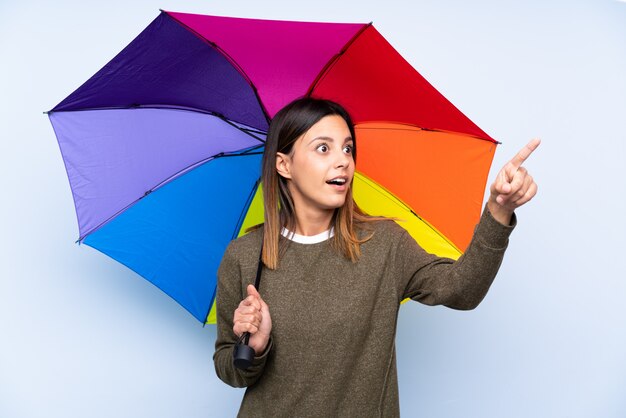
(323, 324)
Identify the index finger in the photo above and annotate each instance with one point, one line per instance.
(524, 153)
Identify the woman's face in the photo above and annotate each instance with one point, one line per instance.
(320, 166)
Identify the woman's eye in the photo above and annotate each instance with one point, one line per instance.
(347, 149)
(323, 148)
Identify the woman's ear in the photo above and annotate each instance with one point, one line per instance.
(283, 164)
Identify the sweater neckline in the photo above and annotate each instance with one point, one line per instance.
(308, 239)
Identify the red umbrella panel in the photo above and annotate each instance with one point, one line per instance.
(148, 140)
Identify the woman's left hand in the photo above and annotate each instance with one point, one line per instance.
(513, 186)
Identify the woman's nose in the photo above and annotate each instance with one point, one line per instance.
(343, 160)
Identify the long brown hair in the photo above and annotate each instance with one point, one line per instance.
(289, 124)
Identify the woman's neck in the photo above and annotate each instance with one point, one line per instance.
(313, 223)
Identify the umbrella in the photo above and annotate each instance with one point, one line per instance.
(163, 145)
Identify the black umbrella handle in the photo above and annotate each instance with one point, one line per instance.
(243, 353)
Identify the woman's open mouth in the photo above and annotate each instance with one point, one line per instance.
(339, 183)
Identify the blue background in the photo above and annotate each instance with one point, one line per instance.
(82, 336)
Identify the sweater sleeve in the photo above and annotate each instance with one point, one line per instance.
(229, 295)
(460, 284)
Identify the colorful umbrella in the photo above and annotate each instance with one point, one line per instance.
(163, 145)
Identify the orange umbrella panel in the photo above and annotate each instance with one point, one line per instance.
(441, 176)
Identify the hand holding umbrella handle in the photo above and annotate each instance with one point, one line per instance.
(243, 354)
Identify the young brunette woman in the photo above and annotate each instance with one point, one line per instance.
(323, 322)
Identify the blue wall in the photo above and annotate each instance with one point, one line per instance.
(83, 336)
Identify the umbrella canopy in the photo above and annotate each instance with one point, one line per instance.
(163, 145)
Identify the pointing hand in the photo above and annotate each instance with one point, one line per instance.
(513, 186)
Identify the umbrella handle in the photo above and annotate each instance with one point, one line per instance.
(243, 354)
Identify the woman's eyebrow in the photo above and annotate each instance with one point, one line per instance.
(329, 139)
(324, 138)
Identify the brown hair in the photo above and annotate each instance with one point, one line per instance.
(291, 122)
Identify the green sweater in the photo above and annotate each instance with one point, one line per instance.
(332, 347)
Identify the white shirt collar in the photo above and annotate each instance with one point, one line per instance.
(304, 239)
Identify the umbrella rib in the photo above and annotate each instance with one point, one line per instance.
(376, 186)
(237, 229)
(245, 209)
(248, 130)
(334, 59)
(363, 125)
(232, 61)
(249, 151)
